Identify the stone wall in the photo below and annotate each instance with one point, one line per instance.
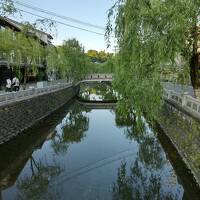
(183, 131)
(19, 116)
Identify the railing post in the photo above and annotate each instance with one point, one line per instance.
(184, 99)
(168, 94)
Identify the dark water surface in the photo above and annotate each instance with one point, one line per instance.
(83, 153)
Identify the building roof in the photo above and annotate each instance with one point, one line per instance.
(17, 26)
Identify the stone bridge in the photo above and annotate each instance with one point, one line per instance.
(97, 104)
(97, 78)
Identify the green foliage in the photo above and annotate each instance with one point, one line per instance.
(107, 67)
(95, 91)
(17, 48)
(99, 57)
(151, 35)
(68, 59)
(71, 130)
(7, 7)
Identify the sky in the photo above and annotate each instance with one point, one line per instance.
(91, 11)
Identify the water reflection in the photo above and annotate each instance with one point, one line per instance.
(36, 184)
(71, 130)
(143, 183)
(95, 91)
(149, 176)
(88, 153)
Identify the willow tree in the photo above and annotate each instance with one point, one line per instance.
(76, 58)
(31, 53)
(7, 7)
(17, 48)
(68, 59)
(56, 61)
(151, 36)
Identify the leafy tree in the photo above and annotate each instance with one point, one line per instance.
(93, 55)
(76, 59)
(7, 7)
(103, 56)
(151, 35)
(107, 67)
(99, 57)
(69, 59)
(17, 48)
(56, 61)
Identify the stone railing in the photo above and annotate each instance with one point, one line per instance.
(98, 76)
(187, 102)
(9, 97)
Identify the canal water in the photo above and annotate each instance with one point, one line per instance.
(83, 152)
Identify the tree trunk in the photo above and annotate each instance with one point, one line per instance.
(194, 75)
(25, 73)
(195, 66)
(25, 78)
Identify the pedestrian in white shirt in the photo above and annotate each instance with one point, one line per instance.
(16, 86)
(8, 85)
(15, 83)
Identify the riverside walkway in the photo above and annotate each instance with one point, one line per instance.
(10, 97)
(34, 89)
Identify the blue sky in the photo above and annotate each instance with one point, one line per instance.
(91, 11)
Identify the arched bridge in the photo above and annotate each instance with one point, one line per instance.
(97, 78)
(110, 104)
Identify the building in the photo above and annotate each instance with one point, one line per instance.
(44, 38)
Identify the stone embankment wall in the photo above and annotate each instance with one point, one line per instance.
(21, 115)
(183, 131)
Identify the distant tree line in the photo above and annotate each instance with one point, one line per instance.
(98, 56)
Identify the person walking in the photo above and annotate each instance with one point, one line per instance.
(8, 85)
(15, 83)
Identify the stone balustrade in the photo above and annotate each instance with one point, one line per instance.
(187, 102)
(98, 76)
(10, 97)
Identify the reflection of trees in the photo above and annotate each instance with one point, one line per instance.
(71, 130)
(142, 183)
(126, 117)
(143, 179)
(36, 185)
(150, 152)
(103, 90)
(136, 186)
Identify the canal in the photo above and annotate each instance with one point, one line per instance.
(85, 151)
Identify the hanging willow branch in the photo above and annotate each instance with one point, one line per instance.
(152, 35)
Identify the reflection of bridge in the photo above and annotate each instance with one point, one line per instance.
(111, 104)
(98, 78)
